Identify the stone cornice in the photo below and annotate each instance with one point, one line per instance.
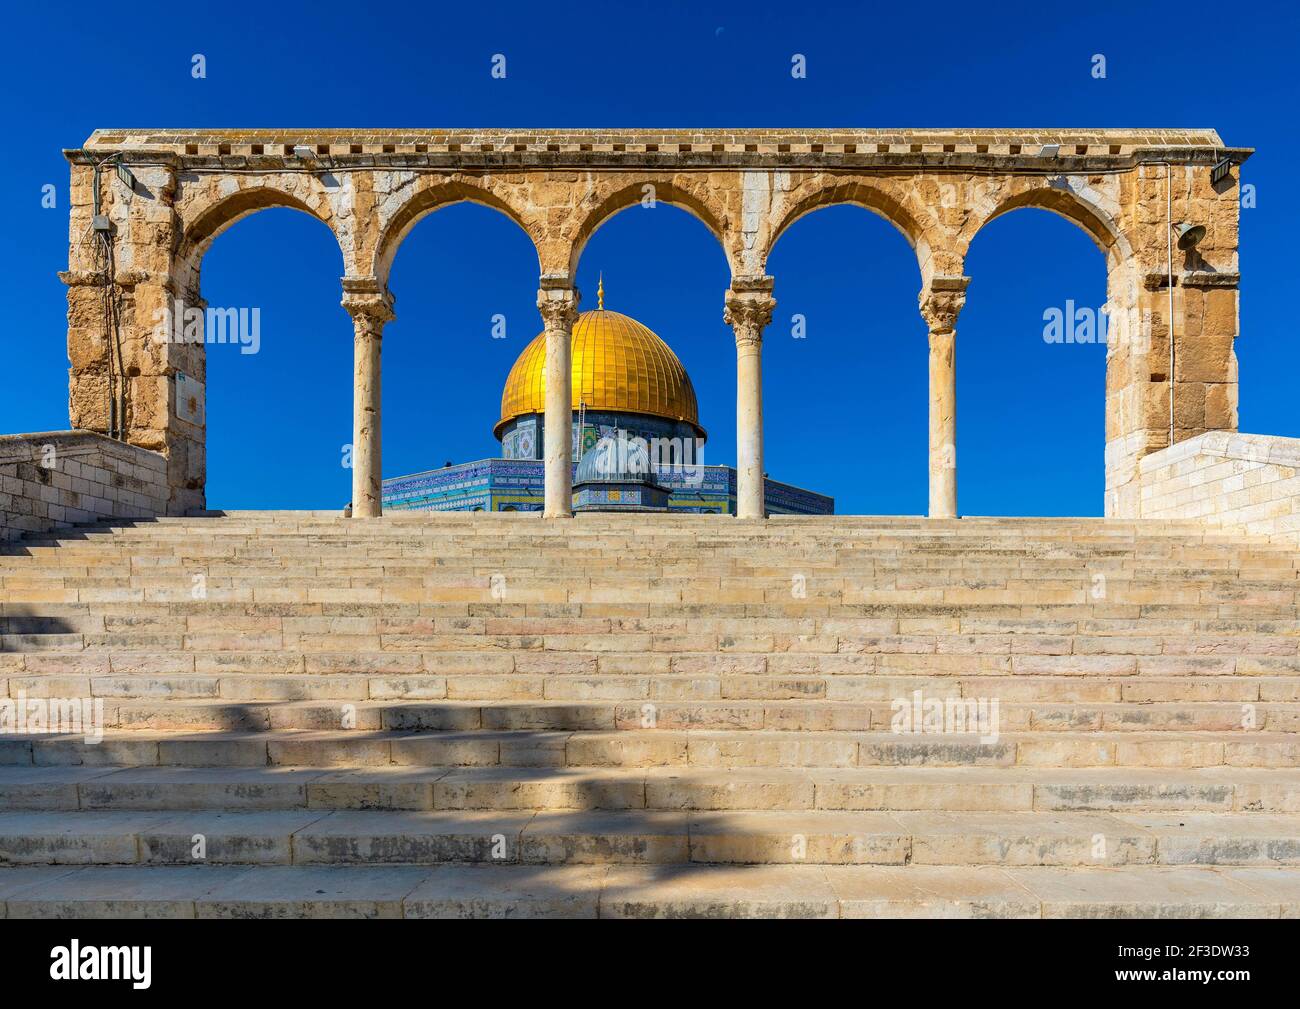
(1208, 278)
(1078, 151)
(1158, 281)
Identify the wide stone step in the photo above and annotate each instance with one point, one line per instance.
(303, 638)
(856, 621)
(523, 563)
(754, 556)
(655, 891)
(474, 683)
(533, 789)
(523, 675)
(1239, 601)
(636, 708)
(656, 748)
(80, 571)
(645, 837)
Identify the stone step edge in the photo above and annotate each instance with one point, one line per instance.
(661, 748)
(636, 891)
(325, 837)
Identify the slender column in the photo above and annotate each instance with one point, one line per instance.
(941, 303)
(748, 309)
(559, 308)
(370, 308)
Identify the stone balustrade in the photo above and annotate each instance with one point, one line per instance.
(62, 478)
(1245, 481)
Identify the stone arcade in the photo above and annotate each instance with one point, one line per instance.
(1126, 189)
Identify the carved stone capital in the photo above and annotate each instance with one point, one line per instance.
(369, 304)
(748, 312)
(559, 307)
(941, 302)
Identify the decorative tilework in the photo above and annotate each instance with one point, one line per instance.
(518, 484)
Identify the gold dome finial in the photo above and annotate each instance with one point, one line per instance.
(600, 292)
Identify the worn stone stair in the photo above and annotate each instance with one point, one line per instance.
(625, 716)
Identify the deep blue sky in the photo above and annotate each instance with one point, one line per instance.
(845, 408)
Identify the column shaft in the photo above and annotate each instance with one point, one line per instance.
(370, 307)
(941, 303)
(749, 430)
(943, 426)
(559, 308)
(367, 443)
(748, 310)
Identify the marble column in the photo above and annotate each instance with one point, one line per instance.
(370, 307)
(559, 308)
(748, 310)
(941, 302)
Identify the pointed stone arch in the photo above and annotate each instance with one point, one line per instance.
(403, 199)
(888, 198)
(1092, 208)
(708, 200)
(207, 207)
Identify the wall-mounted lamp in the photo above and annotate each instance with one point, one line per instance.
(1188, 235)
(125, 177)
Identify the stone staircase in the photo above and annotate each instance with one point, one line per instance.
(456, 715)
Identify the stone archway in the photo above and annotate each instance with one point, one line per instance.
(705, 198)
(938, 187)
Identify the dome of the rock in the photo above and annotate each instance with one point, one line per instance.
(635, 445)
(619, 366)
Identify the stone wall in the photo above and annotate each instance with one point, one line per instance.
(1247, 481)
(55, 479)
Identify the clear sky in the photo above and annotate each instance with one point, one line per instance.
(845, 407)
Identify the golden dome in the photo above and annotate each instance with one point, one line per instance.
(618, 364)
